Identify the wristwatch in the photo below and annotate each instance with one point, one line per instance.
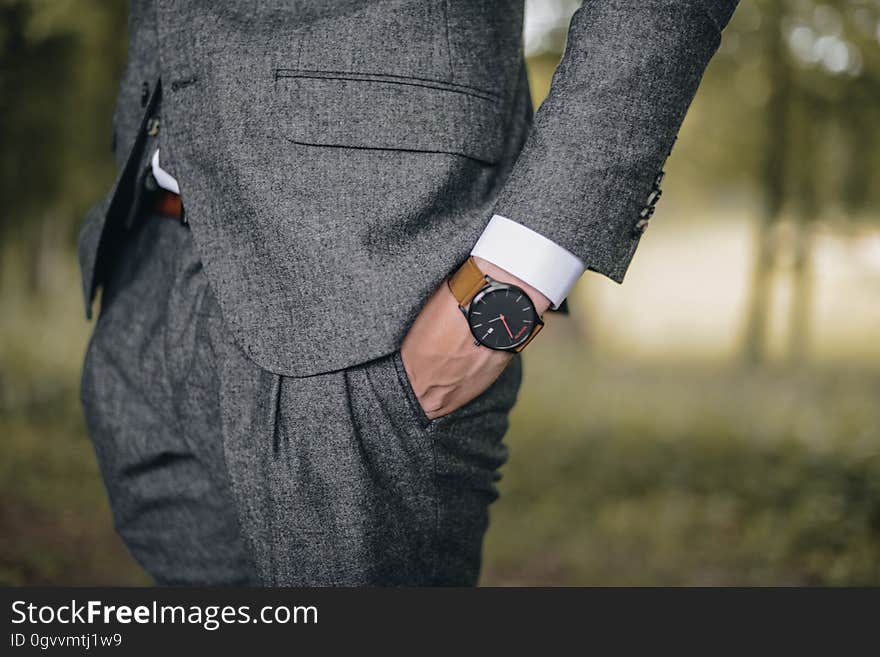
(501, 316)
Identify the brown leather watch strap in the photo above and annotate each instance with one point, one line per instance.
(466, 282)
(535, 332)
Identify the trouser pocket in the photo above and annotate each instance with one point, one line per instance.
(469, 437)
(464, 451)
(500, 396)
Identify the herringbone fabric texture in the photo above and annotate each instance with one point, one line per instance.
(338, 159)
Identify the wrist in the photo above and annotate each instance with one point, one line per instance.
(541, 302)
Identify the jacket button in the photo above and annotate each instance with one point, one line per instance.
(647, 210)
(153, 126)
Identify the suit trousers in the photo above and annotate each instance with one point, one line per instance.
(220, 472)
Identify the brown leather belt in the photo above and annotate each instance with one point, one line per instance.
(168, 204)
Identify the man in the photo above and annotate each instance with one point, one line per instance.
(335, 227)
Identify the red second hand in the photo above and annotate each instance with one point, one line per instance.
(504, 321)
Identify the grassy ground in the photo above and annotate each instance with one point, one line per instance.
(689, 477)
(620, 473)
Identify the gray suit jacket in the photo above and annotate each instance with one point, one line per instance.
(337, 159)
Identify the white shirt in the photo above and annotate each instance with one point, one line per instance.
(164, 179)
(531, 257)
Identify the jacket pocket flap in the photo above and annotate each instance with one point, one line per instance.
(350, 110)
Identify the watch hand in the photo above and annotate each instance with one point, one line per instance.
(501, 317)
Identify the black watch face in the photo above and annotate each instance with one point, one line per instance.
(502, 318)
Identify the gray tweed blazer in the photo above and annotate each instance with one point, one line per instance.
(339, 158)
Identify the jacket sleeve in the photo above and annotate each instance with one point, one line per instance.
(587, 174)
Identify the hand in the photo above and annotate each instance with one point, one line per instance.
(445, 368)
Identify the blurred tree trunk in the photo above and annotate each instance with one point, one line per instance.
(802, 293)
(31, 253)
(860, 135)
(800, 318)
(773, 172)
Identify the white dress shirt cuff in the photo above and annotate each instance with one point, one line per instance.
(531, 257)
